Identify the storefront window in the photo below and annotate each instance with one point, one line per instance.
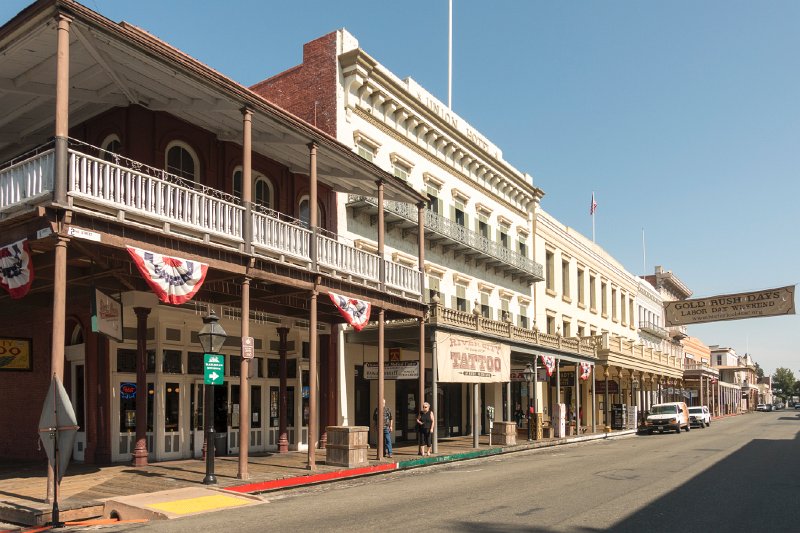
(235, 368)
(255, 406)
(172, 362)
(172, 405)
(235, 406)
(126, 360)
(196, 363)
(274, 406)
(127, 406)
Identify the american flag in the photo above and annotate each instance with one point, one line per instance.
(593, 207)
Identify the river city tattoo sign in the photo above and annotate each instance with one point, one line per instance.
(470, 360)
(770, 302)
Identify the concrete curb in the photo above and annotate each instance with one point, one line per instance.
(313, 479)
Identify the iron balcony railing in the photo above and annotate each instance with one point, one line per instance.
(653, 329)
(131, 192)
(452, 230)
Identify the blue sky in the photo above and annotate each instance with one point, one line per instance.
(683, 117)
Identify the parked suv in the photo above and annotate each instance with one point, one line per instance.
(699, 416)
(668, 416)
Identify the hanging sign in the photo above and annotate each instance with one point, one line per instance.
(174, 280)
(586, 371)
(16, 268)
(770, 302)
(463, 359)
(107, 315)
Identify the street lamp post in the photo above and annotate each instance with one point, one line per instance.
(212, 337)
(528, 373)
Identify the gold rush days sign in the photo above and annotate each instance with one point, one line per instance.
(770, 302)
(468, 360)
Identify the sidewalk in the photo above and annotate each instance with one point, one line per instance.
(85, 487)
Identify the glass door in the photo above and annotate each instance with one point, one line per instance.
(172, 436)
(77, 397)
(235, 414)
(196, 424)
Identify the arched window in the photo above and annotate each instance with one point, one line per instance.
(182, 161)
(111, 145)
(76, 335)
(304, 214)
(262, 192)
(262, 188)
(237, 183)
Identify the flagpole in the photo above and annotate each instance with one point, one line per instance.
(593, 210)
(644, 256)
(450, 56)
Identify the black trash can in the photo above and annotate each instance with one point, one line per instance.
(220, 444)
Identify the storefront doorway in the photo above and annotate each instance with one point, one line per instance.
(407, 408)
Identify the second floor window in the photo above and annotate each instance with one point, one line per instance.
(365, 151)
(459, 217)
(433, 204)
(550, 273)
(523, 247)
(262, 193)
(483, 228)
(182, 161)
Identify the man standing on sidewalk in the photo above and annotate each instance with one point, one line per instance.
(387, 428)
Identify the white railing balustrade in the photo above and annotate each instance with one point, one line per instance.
(347, 259)
(26, 178)
(151, 197)
(402, 277)
(280, 236)
(129, 190)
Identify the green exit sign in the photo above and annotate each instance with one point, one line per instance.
(214, 369)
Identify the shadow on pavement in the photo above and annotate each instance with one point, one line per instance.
(753, 489)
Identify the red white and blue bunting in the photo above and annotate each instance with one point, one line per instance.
(174, 280)
(549, 363)
(586, 370)
(355, 311)
(16, 268)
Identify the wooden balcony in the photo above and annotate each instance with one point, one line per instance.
(132, 193)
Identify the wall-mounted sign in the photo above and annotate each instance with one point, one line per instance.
(107, 315)
(770, 302)
(394, 354)
(72, 231)
(393, 370)
(463, 359)
(127, 390)
(15, 354)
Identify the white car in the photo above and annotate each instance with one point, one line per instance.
(699, 416)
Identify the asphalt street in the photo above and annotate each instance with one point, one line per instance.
(741, 474)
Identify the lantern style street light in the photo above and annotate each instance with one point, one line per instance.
(212, 337)
(528, 373)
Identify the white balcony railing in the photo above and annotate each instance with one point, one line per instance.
(26, 178)
(402, 277)
(347, 259)
(129, 191)
(281, 236)
(163, 197)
